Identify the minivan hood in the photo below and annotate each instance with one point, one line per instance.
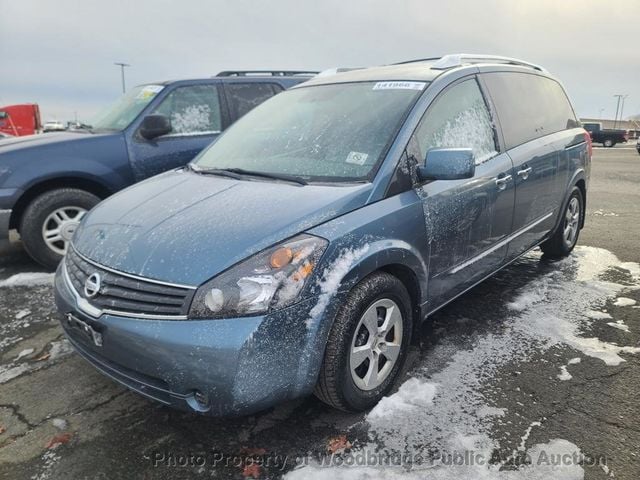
(185, 228)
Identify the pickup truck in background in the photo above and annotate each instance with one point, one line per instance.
(48, 182)
(607, 137)
(19, 120)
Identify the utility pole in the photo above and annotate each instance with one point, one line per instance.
(601, 110)
(122, 65)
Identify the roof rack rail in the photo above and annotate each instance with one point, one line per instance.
(273, 73)
(458, 59)
(336, 70)
(417, 60)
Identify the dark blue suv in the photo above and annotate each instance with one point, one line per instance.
(48, 182)
(300, 252)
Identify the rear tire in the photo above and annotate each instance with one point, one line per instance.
(372, 326)
(608, 143)
(566, 234)
(49, 221)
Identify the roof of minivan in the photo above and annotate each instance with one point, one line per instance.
(423, 70)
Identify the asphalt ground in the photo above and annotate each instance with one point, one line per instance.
(495, 373)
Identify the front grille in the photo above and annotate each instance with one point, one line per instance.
(124, 294)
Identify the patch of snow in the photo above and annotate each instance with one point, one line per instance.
(534, 294)
(620, 325)
(10, 373)
(60, 349)
(624, 302)
(574, 361)
(602, 213)
(564, 374)
(25, 353)
(59, 423)
(413, 393)
(22, 313)
(597, 315)
(332, 278)
(28, 279)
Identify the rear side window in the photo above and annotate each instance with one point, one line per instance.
(244, 97)
(193, 110)
(458, 118)
(529, 106)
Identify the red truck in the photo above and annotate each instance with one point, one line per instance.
(19, 120)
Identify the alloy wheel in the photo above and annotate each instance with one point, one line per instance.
(376, 344)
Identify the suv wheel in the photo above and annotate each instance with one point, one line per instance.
(50, 220)
(367, 344)
(565, 236)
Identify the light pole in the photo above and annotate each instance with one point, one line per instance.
(601, 110)
(615, 121)
(622, 106)
(122, 65)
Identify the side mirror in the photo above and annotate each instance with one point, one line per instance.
(448, 164)
(154, 126)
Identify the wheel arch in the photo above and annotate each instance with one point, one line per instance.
(87, 184)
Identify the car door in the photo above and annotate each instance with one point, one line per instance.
(527, 108)
(196, 120)
(467, 221)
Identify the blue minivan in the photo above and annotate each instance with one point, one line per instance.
(301, 251)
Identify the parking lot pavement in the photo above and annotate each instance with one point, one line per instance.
(539, 361)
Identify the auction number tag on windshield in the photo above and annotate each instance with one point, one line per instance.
(399, 86)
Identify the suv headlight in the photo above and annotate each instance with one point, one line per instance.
(269, 280)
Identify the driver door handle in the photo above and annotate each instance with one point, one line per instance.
(501, 182)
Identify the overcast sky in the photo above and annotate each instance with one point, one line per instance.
(60, 53)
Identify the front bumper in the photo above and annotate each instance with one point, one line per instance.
(241, 365)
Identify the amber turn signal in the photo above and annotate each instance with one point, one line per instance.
(281, 257)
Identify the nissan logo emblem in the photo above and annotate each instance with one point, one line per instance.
(92, 285)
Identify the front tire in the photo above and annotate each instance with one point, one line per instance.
(49, 221)
(566, 234)
(367, 345)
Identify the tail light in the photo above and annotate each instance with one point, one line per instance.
(587, 138)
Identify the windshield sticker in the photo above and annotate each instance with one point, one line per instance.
(399, 86)
(357, 158)
(149, 91)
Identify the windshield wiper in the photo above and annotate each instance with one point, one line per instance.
(214, 171)
(274, 176)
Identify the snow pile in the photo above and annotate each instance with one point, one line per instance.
(564, 374)
(624, 302)
(28, 279)
(442, 409)
(413, 394)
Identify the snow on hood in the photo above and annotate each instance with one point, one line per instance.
(185, 228)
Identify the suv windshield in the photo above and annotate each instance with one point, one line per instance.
(330, 133)
(127, 108)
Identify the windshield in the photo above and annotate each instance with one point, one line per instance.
(335, 132)
(127, 108)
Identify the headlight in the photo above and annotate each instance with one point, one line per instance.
(269, 280)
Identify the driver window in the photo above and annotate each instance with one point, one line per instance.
(458, 118)
(192, 110)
